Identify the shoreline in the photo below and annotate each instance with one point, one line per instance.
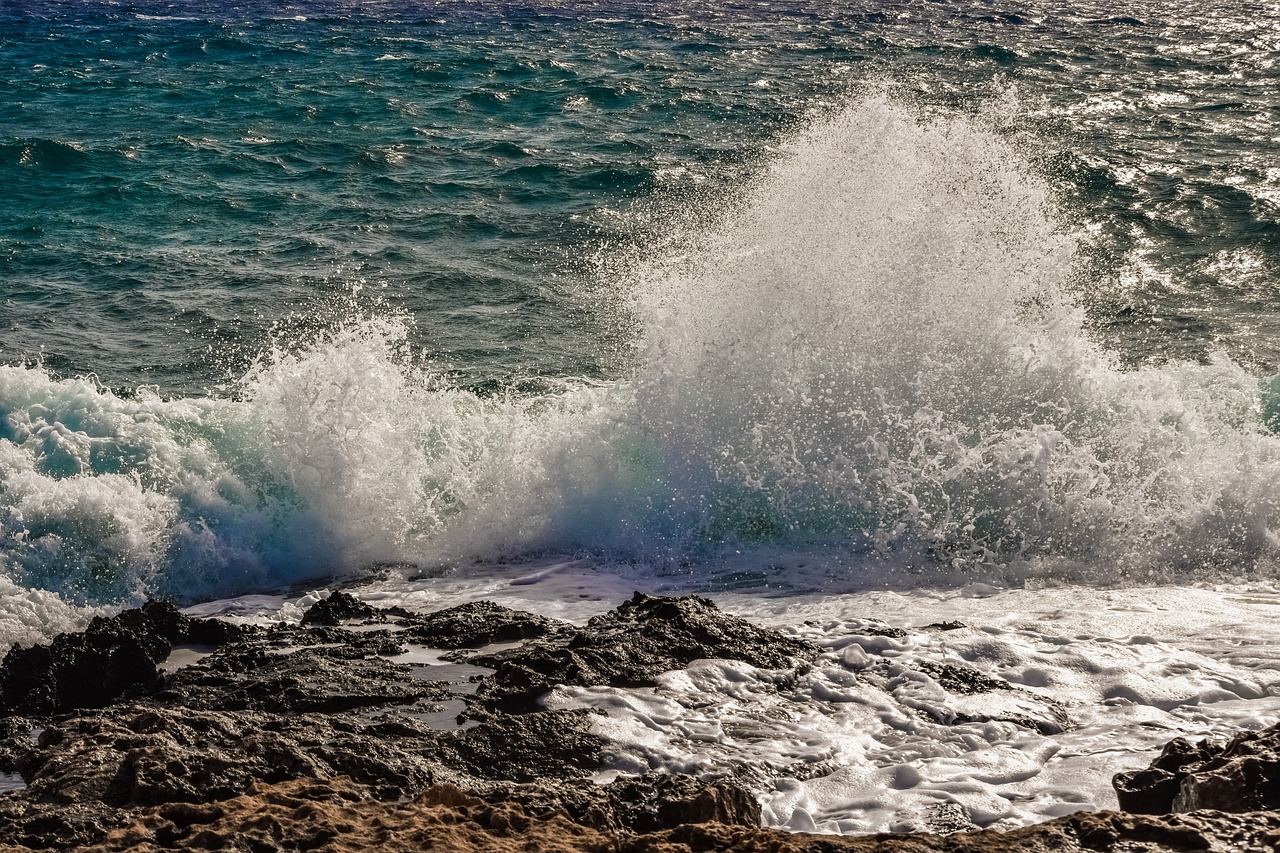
(156, 730)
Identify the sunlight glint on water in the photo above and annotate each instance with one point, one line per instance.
(873, 359)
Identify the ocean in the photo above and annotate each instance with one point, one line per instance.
(908, 311)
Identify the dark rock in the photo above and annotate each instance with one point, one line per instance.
(948, 818)
(309, 738)
(114, 657)
(1241, 775)
(339, 607)
(630, 647)
(266, 707)
(62, 828)
(300, 671)
(480, 623)
(552, 744)
(947, 626)
(333, 816)
(959, 678)
(876, 628)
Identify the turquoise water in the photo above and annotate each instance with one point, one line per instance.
(289, 289)
(179, 179)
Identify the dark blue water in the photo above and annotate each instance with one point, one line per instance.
(293, 287)
(181, 177)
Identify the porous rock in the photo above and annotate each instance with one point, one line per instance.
(632, 805)
(335, 816)
(309, 738)
(112, 658)
(338, 607)
(317, 702)
(630, 647)
(1240, 775)
(479, 623)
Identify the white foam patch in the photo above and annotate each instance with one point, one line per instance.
(870, 740)
(29, 616)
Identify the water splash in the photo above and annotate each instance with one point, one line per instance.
(880, 344)
(873, 357)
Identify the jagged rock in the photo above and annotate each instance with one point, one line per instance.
(301, 670)
(554, 744)
(630, 647)
(962, 678)
(310, 738)
(1096, 832)
(67, 827)
(480, 623)
(113, 658)
(337, 608)
(1239, 776)
(289, 703)
(631, 805)
(1152, 791)
(334, 816)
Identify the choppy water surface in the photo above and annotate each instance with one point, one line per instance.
(975, 291)
(180, 177)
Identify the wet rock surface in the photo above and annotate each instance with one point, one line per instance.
(337, 608)
(1240, 775)
(335, 816)
(344, 733)
(341, 696)
(113, 657)
(481, 623)
(630, 647)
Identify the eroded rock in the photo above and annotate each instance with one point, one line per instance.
(337, 608)
(1240, 775)
(334, 816)
(630, 647)
(480, 623)
(312, 703)
(112, 658)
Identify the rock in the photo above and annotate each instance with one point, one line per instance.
(630, 647)
(632, 805)
(549, 744)
(1153, 790)
(334, 816)
(1238, 776)
(1097, 832)
(338, 607)
(270, 706)
(325, 670)
(310, 738)
(113, 658)
(961, 678)
(480, 623)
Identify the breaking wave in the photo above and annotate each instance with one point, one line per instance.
(873, 359)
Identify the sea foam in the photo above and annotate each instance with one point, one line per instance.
(871, 359)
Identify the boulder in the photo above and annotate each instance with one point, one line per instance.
(113, 658)
(1240, 775)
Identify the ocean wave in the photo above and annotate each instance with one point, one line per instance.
(874, 354)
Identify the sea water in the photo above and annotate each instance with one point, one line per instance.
(914, 311)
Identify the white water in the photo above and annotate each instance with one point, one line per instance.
(869, 740)
(869, 372)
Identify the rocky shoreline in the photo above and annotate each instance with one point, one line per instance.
(367, 728)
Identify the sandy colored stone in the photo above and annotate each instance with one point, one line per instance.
(335, 816)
